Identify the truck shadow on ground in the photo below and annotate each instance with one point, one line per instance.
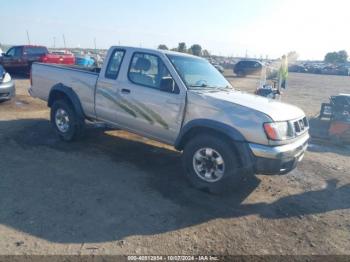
(106, 188)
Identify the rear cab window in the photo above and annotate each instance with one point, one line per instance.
(114, 64)
(35, 50)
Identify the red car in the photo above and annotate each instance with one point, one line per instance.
(18, 59)
(58, 57)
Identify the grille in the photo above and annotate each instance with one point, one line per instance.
(300, 126)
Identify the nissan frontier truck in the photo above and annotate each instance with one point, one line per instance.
(180, 100)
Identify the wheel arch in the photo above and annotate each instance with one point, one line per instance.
(206, 126)
(61, 91)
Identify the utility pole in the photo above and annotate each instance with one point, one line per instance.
(95, 45)
(28, 37)
(64, 42)
(54, 42)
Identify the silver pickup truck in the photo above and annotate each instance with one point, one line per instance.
(180, 100)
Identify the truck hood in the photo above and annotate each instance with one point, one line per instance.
(277, 111)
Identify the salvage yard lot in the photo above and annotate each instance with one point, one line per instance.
(117, 193)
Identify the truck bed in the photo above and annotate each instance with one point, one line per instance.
(81, 80)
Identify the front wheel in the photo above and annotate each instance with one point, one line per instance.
(211, 164)
(240, 74)
(65, 120)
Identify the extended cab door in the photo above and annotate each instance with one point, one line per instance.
(151, 109)
(107, 104)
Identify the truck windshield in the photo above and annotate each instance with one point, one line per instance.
(198, 73)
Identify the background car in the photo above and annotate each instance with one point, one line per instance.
(85, 61)
(18, 59)
(219, 68)
(58, 57)
(7, 85)
(248, 67)
(297, 69)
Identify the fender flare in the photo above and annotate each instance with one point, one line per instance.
(72, 96)
(229, 131)
(240, 143)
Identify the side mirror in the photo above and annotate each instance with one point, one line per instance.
(167, 84)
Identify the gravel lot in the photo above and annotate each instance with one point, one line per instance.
(117, 193)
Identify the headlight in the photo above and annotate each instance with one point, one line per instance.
(279, 130)
(7, 78)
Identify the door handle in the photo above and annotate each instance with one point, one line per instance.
(125, 91)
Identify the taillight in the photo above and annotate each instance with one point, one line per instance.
(43, 58)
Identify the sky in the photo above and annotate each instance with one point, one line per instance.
(224, 27)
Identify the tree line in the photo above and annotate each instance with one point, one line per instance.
(339, 57)
(195, 49)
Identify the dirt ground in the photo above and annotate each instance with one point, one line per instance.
(117, 193)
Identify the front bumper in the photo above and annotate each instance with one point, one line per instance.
(7, 90)
(278, 159)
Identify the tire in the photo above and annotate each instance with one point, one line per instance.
(65, 121)
(228, 173)
(239, 74)
(242, 74)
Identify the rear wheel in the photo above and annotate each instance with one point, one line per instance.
(65, 120)
(211, 164)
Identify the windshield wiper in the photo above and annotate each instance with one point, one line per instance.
(224, 87)
(211, 87)
(203, 85)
